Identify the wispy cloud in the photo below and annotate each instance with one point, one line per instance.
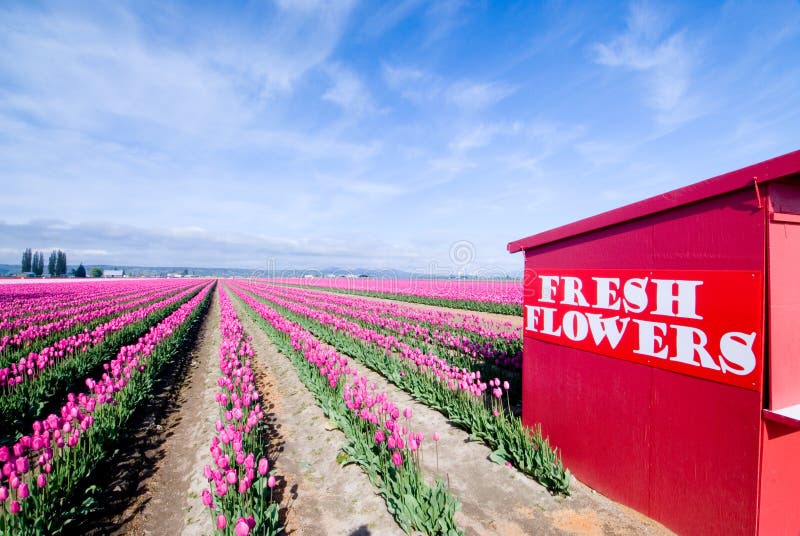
(348, 91)
(421, 87)
(478, 95)
(391, 14)
(663, 57)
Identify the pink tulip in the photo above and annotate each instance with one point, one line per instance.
(230, 477)
(242, 528)
(436, 436)
(407, 413)
(207, 498)
(397, 458)
(3, 493)
(41, 480)
(22, 465)
(271, 481)
(221, 521)
(263, 466)
(14, 508)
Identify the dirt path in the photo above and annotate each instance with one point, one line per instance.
(169, 500)
(318, 495)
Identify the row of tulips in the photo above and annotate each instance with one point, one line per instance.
(20, 301)
(46, 325)
(57, 307)
(468, 336)
(46, 475)
(240, 481)
(462, 396)
(454, 376)
(504, 297)
(20, 405)
(377, 435)
(34, 363)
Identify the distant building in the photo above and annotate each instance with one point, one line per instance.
(113, 273)
(25, 275)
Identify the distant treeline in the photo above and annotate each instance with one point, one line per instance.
(56, 264)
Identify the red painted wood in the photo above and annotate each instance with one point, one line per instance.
(784, 298)
(766, 171)
(711, 434)
(780, 480)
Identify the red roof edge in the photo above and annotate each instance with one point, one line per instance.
(768, 170)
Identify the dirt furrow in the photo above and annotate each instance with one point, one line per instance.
(318, 496)
(168, 501)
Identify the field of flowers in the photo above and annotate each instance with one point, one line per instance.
(66, 399)
(491, 295)
(77, 360)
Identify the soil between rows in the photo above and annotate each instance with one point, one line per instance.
(320, 497)
(160, 477)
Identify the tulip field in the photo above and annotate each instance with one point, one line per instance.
(497, 296)
(80, 360)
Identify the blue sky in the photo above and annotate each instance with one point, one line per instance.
(415, 135)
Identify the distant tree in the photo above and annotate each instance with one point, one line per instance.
(80, 271)
(51, 263)
(185, 271)
(27, 260)
(96, 272)
(61, 263)
(37, 266)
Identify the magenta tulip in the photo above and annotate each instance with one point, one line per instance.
(263, 466)
(242, 528)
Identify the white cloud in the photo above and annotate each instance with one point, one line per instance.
(421, 87)
(390, 15)
(478, 95)
(347, 91)
(665, 60)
